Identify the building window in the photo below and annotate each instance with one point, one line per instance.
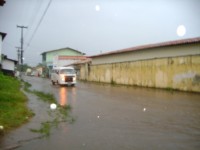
(44, 58)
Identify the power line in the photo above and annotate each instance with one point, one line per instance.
(34, 15)
(40, 21)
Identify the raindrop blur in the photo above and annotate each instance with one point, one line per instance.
(1, 127)
(53, 106)
(97, 8)
(181, 30)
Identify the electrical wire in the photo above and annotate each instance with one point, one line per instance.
(40, 21)
(34, 15)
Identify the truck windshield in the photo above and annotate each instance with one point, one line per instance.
(67, 71)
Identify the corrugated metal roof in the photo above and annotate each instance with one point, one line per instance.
(150, 46)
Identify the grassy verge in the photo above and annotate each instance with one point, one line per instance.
(13, 104)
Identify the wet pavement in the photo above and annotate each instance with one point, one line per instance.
(113, 117)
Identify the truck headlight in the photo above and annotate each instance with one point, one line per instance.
(62, 77)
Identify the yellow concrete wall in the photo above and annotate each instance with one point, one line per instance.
(84, 72)
(182, 73)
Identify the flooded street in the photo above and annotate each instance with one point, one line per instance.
(120, 118)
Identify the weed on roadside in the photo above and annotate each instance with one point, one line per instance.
(46, 97)
(60, 114)
(44, 129)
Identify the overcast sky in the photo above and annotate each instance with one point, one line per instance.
(94, 26)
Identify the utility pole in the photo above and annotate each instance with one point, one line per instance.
(18, 54)
(22, 42)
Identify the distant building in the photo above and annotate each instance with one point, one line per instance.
(35, 71)
(61, 57)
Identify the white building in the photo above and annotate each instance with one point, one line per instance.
(8, 66)
(2, 36)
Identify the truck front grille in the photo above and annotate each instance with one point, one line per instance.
(68, 78)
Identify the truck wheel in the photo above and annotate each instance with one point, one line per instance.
(53, 83)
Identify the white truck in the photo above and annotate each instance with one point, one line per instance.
(63, 76)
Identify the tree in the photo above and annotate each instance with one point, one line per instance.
(23, 68)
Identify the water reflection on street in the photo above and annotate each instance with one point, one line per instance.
(63, 96)
(119, 117)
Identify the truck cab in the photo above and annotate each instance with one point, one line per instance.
(63, 76)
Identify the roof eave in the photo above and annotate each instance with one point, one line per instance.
(62, 49)
(150, 46)
(3, 35)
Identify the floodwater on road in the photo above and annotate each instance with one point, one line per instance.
(120, 118)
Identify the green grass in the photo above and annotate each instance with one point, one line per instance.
(13, 103)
